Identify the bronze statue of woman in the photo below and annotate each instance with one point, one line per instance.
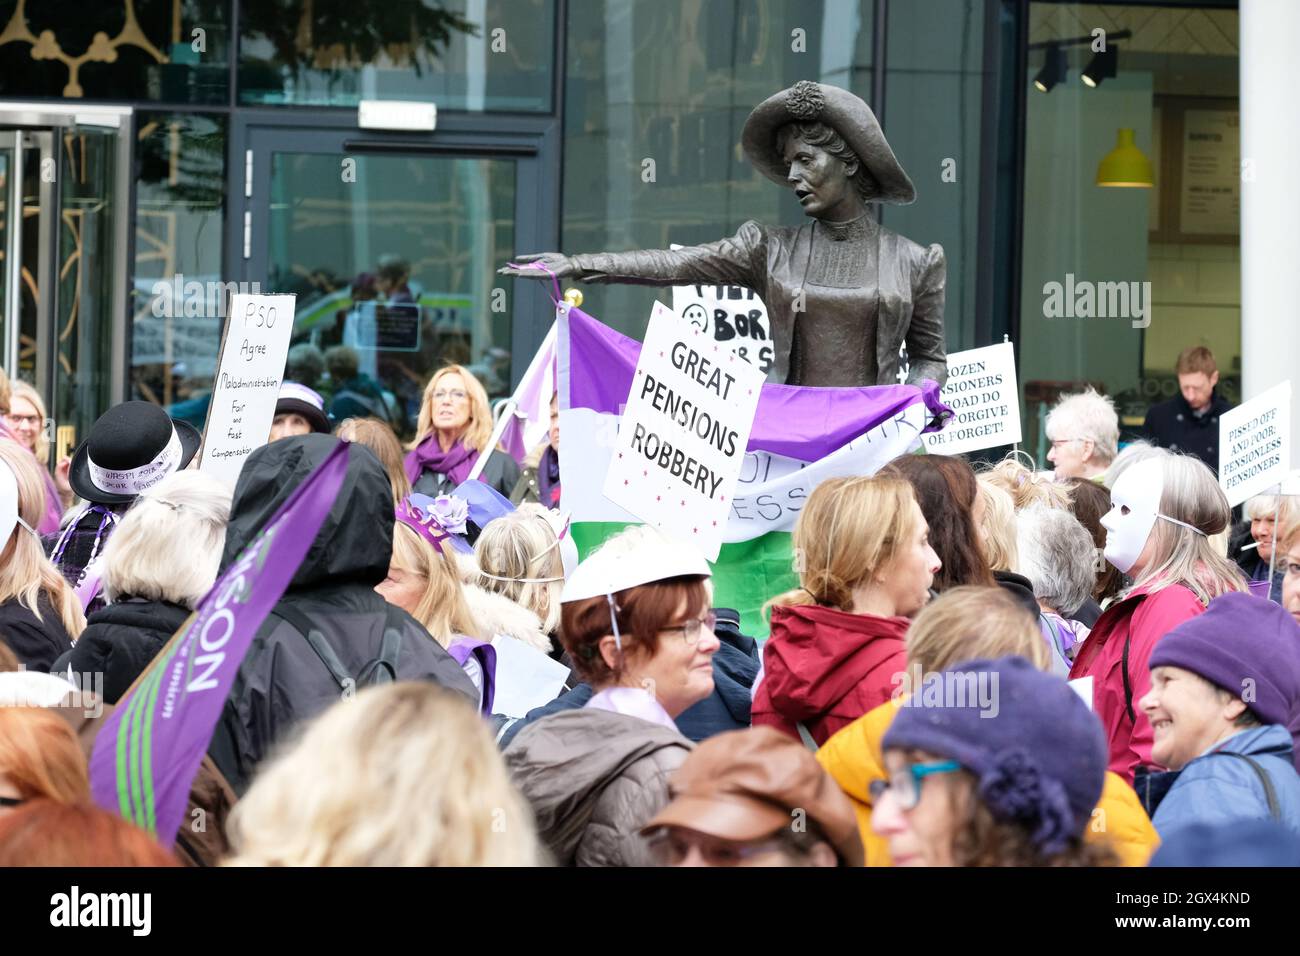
(843, 293)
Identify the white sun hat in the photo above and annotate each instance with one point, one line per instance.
(636, 555)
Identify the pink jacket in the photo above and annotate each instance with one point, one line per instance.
(1138, 621)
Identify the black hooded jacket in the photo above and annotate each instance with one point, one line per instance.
(282, 680)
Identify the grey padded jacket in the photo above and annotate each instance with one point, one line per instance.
(594, 779)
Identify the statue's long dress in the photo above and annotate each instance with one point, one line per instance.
(841, 297)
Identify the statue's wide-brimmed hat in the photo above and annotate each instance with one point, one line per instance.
(848, 115)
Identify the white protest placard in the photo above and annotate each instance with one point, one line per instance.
(682, 436)
(1255, 444)
(253, 353)
(981, 390)
(731, 315)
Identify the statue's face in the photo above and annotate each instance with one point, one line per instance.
(820, 181)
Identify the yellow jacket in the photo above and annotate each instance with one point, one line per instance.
(854, 758)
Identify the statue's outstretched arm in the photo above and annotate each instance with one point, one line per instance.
(737, 260)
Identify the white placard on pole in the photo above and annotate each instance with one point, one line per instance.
(981, 390)
(254, 350)
(682, 436)
(1255, 444)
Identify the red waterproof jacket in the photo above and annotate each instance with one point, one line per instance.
(826, 668)
(1138, 622)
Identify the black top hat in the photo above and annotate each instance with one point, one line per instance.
(298, 399)
(131, 447)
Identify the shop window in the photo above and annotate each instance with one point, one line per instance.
(172, 51)
(1117, 280)
(177, 297)
(473, 55)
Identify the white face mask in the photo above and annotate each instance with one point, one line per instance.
(1135, 505)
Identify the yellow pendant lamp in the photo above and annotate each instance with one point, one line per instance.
(1125, 165)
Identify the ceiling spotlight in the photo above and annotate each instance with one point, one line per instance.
(1102, 67)
(1053, 71)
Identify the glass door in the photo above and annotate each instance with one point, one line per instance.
(10, 253)
(26, 256)
(392, 253)
(65, 275)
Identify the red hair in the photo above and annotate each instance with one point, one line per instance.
(40, 754)
(47, 833)
(643, 611)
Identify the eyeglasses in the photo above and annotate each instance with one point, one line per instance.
(693, 630)
(455, 394)
(1065, 441)
(671, 846)
(906, 783)
(11, 801)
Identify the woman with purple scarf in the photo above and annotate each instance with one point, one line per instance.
(454, 429)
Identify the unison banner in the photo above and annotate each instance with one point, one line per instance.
(800, 437)
(146, 756)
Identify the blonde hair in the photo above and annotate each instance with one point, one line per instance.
(442, 609)
(5, 392)
(1026, 486)
(849, 529)
(25, 571)
(972, 623)
(21, 389)
(379, 437)
(1185, 556)
(403, 775)
(168, 546)
(1266, 506)
(998, 527)
(478, 430)
(519, 557)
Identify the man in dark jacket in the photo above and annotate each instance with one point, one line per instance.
(1189, 422)
(331, 604)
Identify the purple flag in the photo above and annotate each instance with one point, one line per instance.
(799, 422)
(146, 756)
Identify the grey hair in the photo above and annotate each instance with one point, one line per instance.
(168, 545)
(1057, 555)
(1091, 416)
(824, 136)
(1133, 453)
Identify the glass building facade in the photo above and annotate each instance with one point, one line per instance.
(157, 154)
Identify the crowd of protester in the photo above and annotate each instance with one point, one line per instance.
(974, 665)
